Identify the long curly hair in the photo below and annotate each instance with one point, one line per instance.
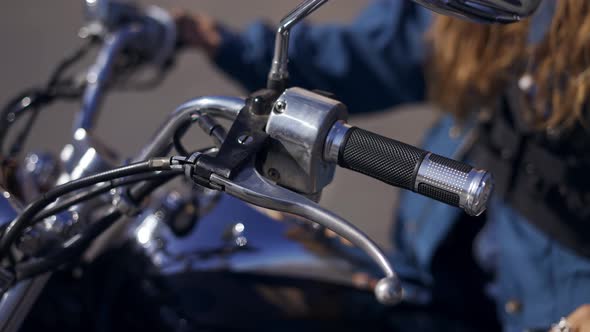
(471, 64)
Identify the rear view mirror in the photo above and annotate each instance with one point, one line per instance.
(484, 11)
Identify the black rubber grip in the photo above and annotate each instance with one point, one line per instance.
(438, 194)
(402, 165)
(382, 158)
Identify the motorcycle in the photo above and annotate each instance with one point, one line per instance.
(239, 241)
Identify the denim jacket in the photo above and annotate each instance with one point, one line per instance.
(377, 62)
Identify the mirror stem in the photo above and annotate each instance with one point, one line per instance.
(279, 72)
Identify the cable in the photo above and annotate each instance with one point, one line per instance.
(33, 99)
(124, 79)
(76, 245)
(207, 124)
(28, 100)
(68, 61)
(25, 219)
(212, 128)
(97, 191)
(176, 140)
(68, 250)
(22, 136)
(137, 193)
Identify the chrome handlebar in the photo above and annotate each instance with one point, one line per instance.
(149, 32)
(99, 74)
(221, 107)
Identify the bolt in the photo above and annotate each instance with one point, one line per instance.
(245, 139)
(92, 77)
(274, 175)
(241, 241)
(25, 102)
(280, 107)
(84, 33)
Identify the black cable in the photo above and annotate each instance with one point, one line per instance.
(68, 61)
(207, 124)
(68, 250)
(25, 219)
(138, 192)
(78, 244)
(56, 88)
(96, 191)
(22, 136)
(177, 140)
(28, 100)
(212, 128)
(123, 80)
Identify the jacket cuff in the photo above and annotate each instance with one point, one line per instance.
(227, 56)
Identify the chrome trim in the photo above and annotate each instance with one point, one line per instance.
(298, 126)
(480, 191)
(473, 188)
(335, 140)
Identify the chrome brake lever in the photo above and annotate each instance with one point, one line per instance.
(250, 186)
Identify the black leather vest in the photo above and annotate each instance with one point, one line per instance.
(544, 176)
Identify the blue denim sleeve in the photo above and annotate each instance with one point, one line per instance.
(371, 64)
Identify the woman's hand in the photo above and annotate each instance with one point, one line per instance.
(196, 30)
(578, 321)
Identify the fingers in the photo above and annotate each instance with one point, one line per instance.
(197, 30)
(579, 320)
(187, 29)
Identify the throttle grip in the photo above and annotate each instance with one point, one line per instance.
(409, 167)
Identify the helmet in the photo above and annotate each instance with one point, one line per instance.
(484, 11)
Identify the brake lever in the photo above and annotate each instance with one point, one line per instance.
(250, 186)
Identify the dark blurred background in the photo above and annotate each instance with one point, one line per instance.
(35, 35)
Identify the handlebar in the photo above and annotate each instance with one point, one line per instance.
(99, 74)
(221, 107)
(405, 166)
(148, 33)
